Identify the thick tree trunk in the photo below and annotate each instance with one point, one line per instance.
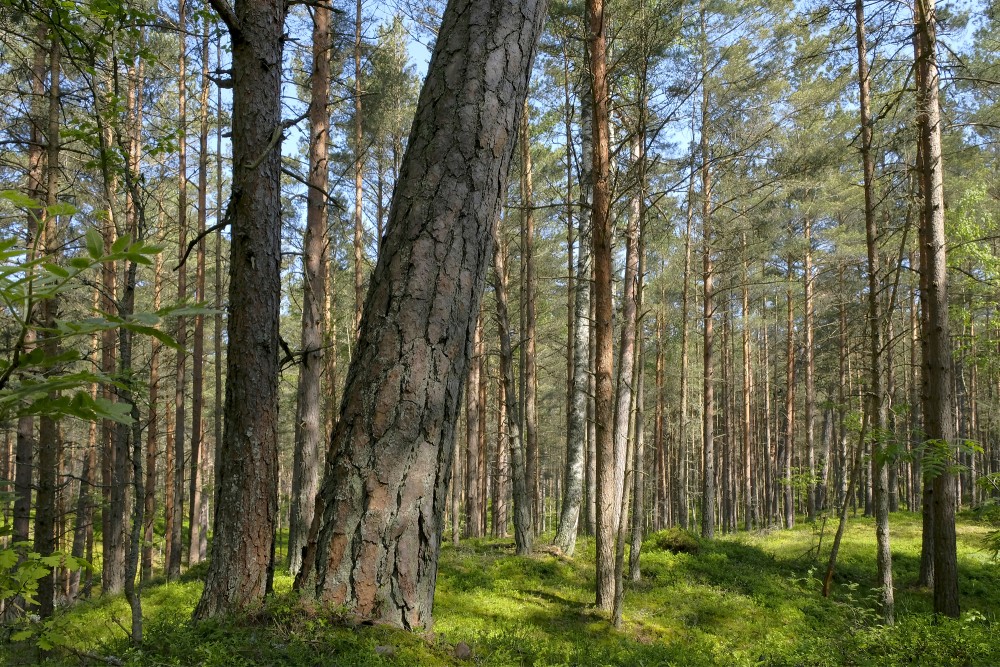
(385, 489)
(937, 362)
(309, 429)
(247, 478)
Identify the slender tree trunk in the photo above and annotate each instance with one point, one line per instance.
(750, 508)
(789, 446)
(152, 436)
(682, 417)
(473, 499)
(708, 309)
(522, 500)
(359, 175)
(937, 363)
(878, 409)
(379, 536)
(176, 536)
(306, 464)
(199, 544)
(246, 511)
(48, 433)
(577, 436)
(810, 425)
(528, 362)
(607, 484)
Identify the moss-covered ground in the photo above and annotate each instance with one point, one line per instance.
(744, 599)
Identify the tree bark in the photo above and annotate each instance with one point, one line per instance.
(937, 361)
(523, 529)
(176, 535)
(607, 499)
(247, 479)
(384, 493)
(197, 520)
(528, 362)
(306, 463)
(878, 409)
(473, 415)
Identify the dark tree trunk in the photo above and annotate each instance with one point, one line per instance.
(247, 479)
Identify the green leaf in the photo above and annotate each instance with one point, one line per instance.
(120, 244)
(20, 635)
(95, 243)
(19, 199)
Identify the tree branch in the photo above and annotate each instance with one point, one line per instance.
(228, 16)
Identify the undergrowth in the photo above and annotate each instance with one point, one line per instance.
(744, 599)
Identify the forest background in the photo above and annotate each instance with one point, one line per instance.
(766, 261)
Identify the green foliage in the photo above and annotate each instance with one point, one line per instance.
(20, 571)
(741, 600)
(675, 540)
(31, 381)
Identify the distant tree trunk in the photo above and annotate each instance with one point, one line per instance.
(937, 363)
(198, 547)
(247, 480)
(501, 465)
(639, 430)
(359, 176)
(24, 448)
(529, 370)
(152, 436)
(379, 535)
(48, 433)
(607, 484)
(807, 285)
(522, 501)
(681, 473)
(309, 431)
(577, 435)
(571, 322)
(473, 415)
(878, 408)
(708, 313)
(789, 446)
(176, 535)
(750, 508)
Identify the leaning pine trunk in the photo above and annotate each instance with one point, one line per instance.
(385, 487)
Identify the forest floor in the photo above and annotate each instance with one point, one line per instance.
(743, 599)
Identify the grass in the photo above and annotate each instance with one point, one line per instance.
(744, 599)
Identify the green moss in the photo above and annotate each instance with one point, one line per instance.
(745, 599)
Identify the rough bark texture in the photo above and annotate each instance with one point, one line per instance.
(385, 488)
(309, 429)
(247, 478)
(937, 362)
